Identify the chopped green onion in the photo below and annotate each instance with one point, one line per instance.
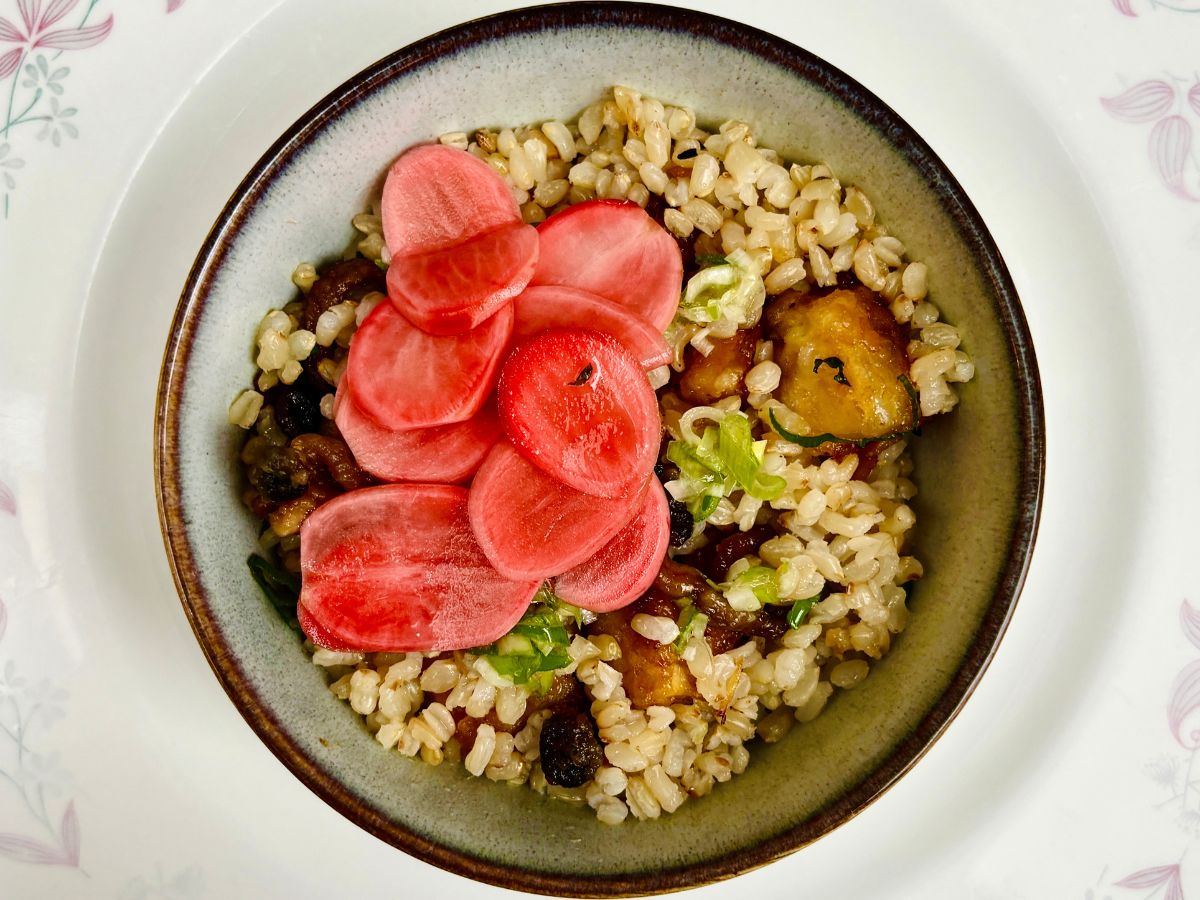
(707, 505)
(537, 645)
(726, 458)
(382, 265)
(729, 291)
(800, 610)
(690, 619)
(742, 457)
(751, 589)
(711, 259)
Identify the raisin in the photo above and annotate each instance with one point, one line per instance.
(297, 412)
(570, 749)
(681, 522)
(280, 476)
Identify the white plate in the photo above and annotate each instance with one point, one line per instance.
(173, 796)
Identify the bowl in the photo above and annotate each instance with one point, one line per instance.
(978, 516)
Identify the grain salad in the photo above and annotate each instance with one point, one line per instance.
(803, 354)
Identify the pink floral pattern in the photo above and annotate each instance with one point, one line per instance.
(1163, 102)
(1125, 7)
(26, 713)
(31, 87)
(1152, 879)
(1176, 773)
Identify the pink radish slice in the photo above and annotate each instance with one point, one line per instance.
(404, 378)
(435, 196)
(459, 248)
(454, 288)
(614, 249)
(396, 567)
(578, 405)
(541, 307)
(314, 632)
(442, 453)
(626, 566)
(531, 525)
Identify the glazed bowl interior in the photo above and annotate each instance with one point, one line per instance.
(979, 472)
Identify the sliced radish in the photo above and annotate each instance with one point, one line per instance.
(442, 453)
(614, 249)
(579, 406)
(404, 378)
(459, 248)
(320, 636)
(542, 307)
(396, 567)
(531, 525)
(626, 566)
(436, 196)
(452, 289)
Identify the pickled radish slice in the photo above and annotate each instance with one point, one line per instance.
(541, 307)
(614, 249)
(436, 196)
(578, 405)
(626, 566)
(404, 378)
(396, 567)
(459, 248)
(531, 525)
(441, 453)
(452, 289)
(318, 635)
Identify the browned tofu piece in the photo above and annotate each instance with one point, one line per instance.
(852, 327)
(706, 379)
(652, 673)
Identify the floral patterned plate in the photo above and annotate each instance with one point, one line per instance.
(126, 772)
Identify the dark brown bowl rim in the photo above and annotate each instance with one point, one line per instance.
(531, 20)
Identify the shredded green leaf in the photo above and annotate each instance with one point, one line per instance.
(382, 265)
(282, 589)
(800, 610)
(711, 259)
(537, 645)
(816, 440)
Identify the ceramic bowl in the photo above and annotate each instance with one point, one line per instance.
(980, 470)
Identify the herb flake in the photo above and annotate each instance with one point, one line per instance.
(834, 363)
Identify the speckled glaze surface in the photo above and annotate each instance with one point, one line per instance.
(980, 473)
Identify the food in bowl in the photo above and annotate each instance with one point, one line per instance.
(617, 627)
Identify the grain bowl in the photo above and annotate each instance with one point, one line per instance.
(841, 156)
